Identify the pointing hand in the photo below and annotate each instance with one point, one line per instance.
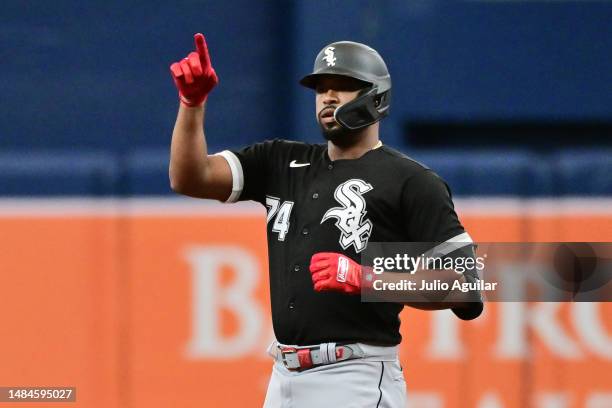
(194, 75)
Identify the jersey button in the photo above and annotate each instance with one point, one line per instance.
(331, 166)
(305, 231)
(315, 196)
(291, 305)
(296, 268)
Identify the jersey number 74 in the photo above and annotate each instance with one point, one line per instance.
(282, 211)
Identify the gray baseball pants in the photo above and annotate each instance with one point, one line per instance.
(375, 380)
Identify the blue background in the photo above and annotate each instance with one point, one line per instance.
(88, 104)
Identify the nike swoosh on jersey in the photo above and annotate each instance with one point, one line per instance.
(295, 164)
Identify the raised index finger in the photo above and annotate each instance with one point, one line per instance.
(202, 49)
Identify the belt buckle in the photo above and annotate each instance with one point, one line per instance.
(290, 358)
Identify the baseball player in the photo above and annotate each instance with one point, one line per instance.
(324, 203)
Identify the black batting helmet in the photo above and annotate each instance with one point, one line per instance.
(355, 60)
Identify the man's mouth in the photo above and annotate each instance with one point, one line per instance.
(327, 115)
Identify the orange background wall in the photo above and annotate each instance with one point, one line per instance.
(133, 307)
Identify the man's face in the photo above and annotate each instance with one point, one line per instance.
(333, 91)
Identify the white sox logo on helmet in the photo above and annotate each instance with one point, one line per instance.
(355, 229)
(330, 56)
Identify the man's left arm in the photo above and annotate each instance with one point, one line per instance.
(429, 216)
(336, 272)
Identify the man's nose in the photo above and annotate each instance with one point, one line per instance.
(330, 97)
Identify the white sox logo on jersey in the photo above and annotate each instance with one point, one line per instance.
(329, 56)
(350, 217)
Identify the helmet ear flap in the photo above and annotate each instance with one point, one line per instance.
(364, 110)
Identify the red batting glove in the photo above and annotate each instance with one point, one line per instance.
(194, 76)
(335, 272)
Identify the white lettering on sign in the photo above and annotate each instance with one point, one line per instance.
(210, 297)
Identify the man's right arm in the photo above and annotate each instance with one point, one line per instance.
(192, 171)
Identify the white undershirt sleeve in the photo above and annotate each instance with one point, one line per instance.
(237, 175)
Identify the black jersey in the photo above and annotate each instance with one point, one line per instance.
(318, 205)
